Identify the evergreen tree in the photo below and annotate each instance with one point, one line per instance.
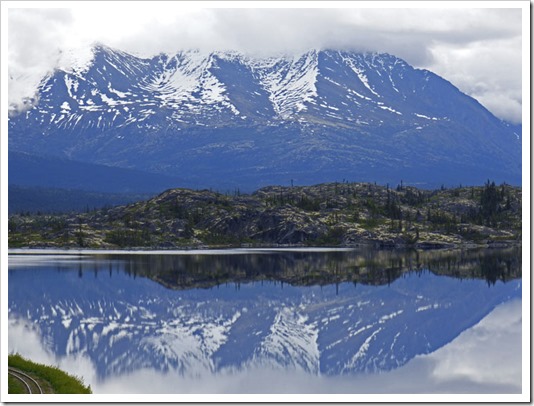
(489, 202)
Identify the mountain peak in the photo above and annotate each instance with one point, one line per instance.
(77, 60)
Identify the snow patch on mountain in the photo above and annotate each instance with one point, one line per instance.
(77, 60)
(360, 72)
(291, 83)
(187, 81)
(360, 355)
(292, 341)
(426, 117)
(390, 109)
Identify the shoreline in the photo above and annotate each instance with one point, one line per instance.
(236, 250)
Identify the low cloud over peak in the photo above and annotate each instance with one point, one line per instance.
(479, 50)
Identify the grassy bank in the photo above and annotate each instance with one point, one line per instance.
(51, 379)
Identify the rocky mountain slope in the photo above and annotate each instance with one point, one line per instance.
(227, 120)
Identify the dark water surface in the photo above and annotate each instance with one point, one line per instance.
(282, 321)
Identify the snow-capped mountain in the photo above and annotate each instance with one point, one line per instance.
(227, 118)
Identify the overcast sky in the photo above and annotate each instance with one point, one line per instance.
(478, 49)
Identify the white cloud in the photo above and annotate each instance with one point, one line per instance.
(478, 49)
(33, 49)
(487, 354)
(493, 78)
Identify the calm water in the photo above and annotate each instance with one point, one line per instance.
(255, 321)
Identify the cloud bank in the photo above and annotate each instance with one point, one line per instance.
(478, 50)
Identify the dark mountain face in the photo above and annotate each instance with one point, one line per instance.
(225, 120)
(26, 170)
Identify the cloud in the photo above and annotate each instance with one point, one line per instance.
(477, 49)
(489, 71)
(34, 49)
(473, 356)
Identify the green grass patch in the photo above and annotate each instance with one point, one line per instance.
(15, 386)
(59, 381)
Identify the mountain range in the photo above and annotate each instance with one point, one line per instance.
(226, 120)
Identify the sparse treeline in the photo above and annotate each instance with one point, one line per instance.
(327, 214)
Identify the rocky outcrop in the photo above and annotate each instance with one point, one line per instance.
(333, 214)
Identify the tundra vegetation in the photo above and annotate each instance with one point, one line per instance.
(332, 214)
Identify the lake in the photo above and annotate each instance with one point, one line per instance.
(272, 320)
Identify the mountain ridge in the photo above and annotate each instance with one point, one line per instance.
(226, 118)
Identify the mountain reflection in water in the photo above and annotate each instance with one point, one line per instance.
(321, 313)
